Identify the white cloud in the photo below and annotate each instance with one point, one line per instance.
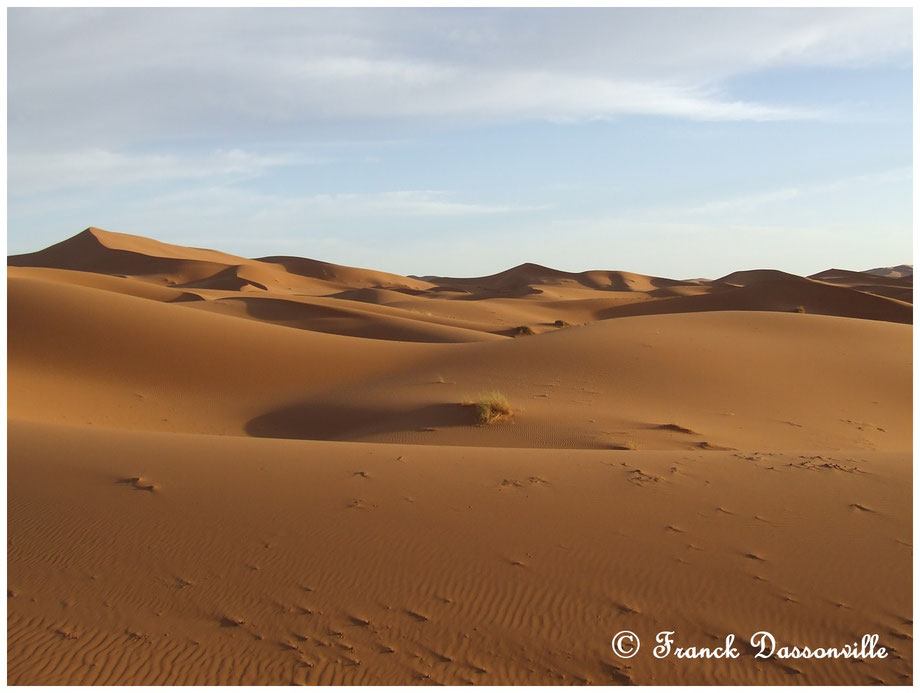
(531, 94)
(120, 76)
(751, 202)
(97, 167)
(270, 210)
(401, 203)
(745, 203)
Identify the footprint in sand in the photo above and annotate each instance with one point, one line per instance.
(640, 478)
(511, 482)
(704, 445)
(66, 634)
(621, 445)
(421, 618)
(138, 483)
(619, 674)
(676, 429)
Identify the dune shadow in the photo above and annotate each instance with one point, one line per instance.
(774, 295)
(471, 291)
(186, 297)
(377, 295)
(335, 421)
(284, 310)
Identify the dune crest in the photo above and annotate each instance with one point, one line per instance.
(484, 304)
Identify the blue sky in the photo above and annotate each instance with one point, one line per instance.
(680, 143)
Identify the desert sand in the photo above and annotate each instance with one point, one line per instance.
(235, 471)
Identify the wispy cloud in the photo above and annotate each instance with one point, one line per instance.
(222, 71)
(271, 210)
(404, 203)
(751, 202)
(98, 167)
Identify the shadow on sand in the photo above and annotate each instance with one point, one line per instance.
(326, 421)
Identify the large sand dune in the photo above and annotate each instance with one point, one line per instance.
(226, 470)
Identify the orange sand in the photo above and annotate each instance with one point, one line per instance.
(225, 470)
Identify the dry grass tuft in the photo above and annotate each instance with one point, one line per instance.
(491, 407)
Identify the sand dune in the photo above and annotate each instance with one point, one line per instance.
(338, 318)
(348, 276)
(780, 295)
(105, 252)
(227, 470)
(529, 274)
(898, 287)
(488, 304)
(754, 277)
(692, 375)
(901, 271)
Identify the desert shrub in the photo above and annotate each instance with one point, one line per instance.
(491, 407)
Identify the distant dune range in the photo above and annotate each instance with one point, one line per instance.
(227, 470)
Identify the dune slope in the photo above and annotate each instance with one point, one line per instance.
(265, 561)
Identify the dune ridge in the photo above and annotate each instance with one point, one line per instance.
(551, 294)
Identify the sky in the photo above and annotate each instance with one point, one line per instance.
(674, 142)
